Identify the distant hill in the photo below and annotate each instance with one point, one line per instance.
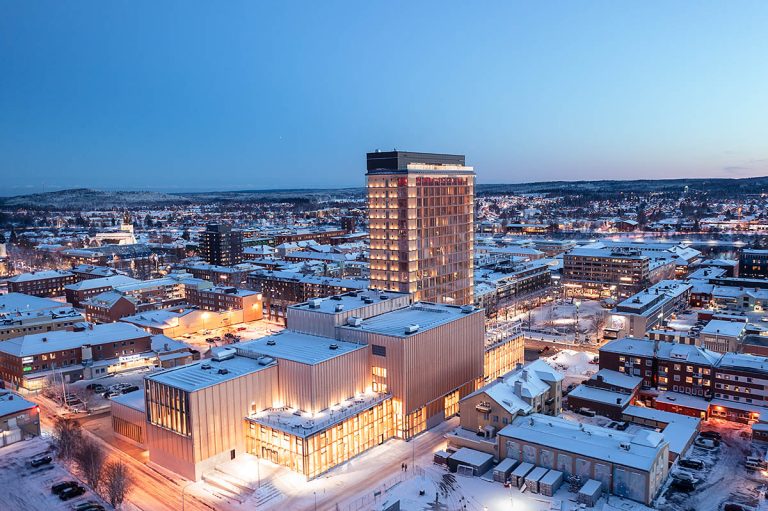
(85, 198)
(719, 185)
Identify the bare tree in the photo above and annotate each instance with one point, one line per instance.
(115, 483)
(67, 437)
(90, 460)
(597, 323)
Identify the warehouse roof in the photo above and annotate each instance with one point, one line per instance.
(637, 450)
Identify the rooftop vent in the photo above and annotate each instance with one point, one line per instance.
(383, 297)
(223, 371)
(224, 354)
(205, 366)
(411, 329)
(368, 300)
(315, 303)
(466, 309)
(339, 307)
(624, 445)
(271, 342)
(333, 346)
(336, 297)
(354, 321)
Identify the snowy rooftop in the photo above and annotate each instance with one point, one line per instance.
(39, 275)
(630, 346)
(727, 328)
(664, 290)
(744, 361)
(687, 352)
(112, 281)
(19, 302)
(304, 424)
(159, 318)
(679, 429)
(425, 315)
(637, 450)
(602, 396)
(11, 404)
(684, 400)
(298, 347)
(471, 457)
(209, 372)
(133, 400)
(47, 342)
(527, 382)
(347, 301)
(617, 379)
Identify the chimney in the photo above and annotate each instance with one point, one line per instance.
(518, 388)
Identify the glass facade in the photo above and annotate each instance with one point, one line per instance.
(421, 226)
(317, 453)
(167, 407)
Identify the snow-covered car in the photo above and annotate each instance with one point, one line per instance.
(706, 443)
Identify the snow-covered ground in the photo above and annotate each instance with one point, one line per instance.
(575, 366)
(724, 478)
(446, 491)
(25, 488)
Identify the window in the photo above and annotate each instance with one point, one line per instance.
(677, 377)
(688, 379)
(648, 362)
(378, 350)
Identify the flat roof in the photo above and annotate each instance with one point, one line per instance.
(602, 396)
(588, 440)
(111, 281)
(40, 275)
(298, 347)
(133, 400)
(35, 344)
(11, 403)
(348, 301)
(20, 302)
(720, 327)
(304, 424)
(193, 377)
(425, 315)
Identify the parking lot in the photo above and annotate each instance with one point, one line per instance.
(246, 332)
(724, 477)
(29, 489)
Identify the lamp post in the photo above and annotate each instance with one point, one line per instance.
(576, 333)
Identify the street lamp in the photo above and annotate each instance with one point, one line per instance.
(576, 334)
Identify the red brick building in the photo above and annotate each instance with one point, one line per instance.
(31, 361)
(42, 283)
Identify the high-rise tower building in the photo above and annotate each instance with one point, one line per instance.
(220, 245)
(421, 225)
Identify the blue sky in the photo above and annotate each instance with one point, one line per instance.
(232, 95)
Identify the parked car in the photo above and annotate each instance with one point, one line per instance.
(735, 506)
(131, 388)
(586, 412)
(72, 492)
(711, 434)
(60, 487)
(243, 329)
(88, 506)
(684, 476)
(706, 443)
(683, 485)
(693, 463)
(39, 462)
(111, 393)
